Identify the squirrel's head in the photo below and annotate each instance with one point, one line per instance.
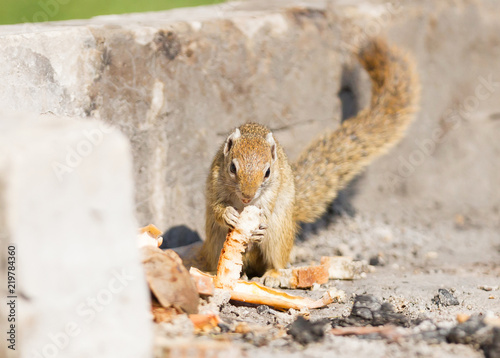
(249, 158)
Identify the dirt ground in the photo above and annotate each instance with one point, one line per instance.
(411, 261)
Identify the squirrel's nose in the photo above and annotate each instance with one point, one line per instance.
(245, 198)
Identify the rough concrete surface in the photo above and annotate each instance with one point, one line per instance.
(73, 295)
(175, 82)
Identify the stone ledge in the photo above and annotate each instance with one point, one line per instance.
(79, 284)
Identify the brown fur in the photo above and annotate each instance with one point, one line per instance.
(288, 196)
(276, 200)
(331, 161)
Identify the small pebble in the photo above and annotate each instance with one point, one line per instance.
(431, 255)
(459, 221)
(462, 317)
(445, 298)
(316, 286)
(377, 260)
(383, 234)
(304, 331)
(262, 309)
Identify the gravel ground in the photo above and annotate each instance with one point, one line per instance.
(411, 264)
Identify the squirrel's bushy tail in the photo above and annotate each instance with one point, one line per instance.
(330, 162)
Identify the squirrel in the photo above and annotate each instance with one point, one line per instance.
(251, 168)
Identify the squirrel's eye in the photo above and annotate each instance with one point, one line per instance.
(268, 173)
(232, 168)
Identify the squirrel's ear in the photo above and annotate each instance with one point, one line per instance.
(230, 140)
(272, 143)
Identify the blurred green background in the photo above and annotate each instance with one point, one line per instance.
(18, 11)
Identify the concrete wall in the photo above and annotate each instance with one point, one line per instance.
(176, 82)
(77, 288)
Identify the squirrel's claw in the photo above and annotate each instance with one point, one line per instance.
(271, 282)
(258, 234)
(231, 217)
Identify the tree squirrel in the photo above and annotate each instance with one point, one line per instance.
(252, 168)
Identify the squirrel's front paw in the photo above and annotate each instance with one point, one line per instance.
(258, 234)
(272, 279)
(231, 217)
